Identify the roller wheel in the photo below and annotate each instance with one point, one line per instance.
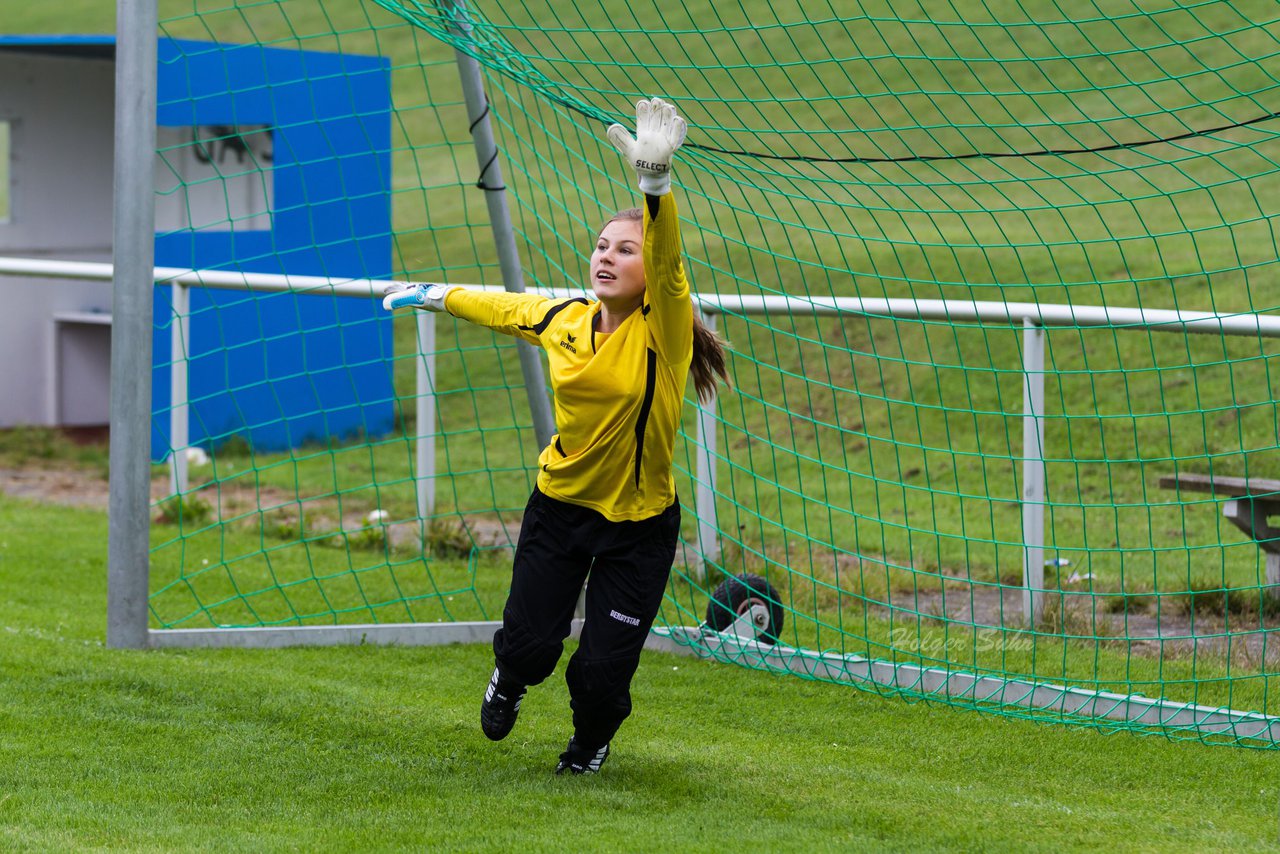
(736, 595)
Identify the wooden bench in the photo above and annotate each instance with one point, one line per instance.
(1252, 502)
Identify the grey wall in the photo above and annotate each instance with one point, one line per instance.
(61, 115)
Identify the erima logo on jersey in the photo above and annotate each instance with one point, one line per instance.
(623, 618)
(568, 346)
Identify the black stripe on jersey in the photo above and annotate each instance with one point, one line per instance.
(560, 447)
(650, 377)
(653, 203)
(541, 326)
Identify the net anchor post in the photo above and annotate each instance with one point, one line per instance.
(1033, 472)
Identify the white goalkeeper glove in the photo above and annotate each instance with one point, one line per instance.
(405, 295)
(659, 132)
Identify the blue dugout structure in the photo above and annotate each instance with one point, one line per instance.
(281, 369)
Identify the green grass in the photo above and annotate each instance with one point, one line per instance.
(895, 443)
(45, 447)
(379, 749)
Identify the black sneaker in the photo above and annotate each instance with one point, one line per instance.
(579, 760)
(501, 705)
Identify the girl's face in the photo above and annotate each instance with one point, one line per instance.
(617, 265)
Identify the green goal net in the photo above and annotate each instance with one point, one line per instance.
(998, 281)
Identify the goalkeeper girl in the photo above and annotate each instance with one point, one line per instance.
(604, 510)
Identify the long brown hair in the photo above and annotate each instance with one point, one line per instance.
(708, 348)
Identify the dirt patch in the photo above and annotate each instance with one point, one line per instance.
(73, 488)
(76, 487)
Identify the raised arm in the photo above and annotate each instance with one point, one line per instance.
(660, 131)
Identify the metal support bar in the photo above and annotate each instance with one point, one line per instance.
(425, 417)
(222, 280)
(967, 687)
(129, 540)
(750, 624)
(179, 368)
(1048, 315)
(379, 634)
(705, 500)
(1033, 473)
(495, 195)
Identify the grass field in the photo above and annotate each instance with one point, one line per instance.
(380, 749)
(895, 442)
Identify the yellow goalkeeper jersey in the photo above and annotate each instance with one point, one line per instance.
(618, 397)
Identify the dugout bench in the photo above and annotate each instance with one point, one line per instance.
(1252, 501)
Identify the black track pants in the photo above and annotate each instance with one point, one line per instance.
(629, 563)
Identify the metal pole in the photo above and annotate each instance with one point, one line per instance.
(425, 409)
(500, 217)
(705, 500)
(179, 364)
(1033, 473)
(133, 247)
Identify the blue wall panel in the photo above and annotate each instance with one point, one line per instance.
(284, 369)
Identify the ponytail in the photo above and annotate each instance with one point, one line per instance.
(708, 360)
